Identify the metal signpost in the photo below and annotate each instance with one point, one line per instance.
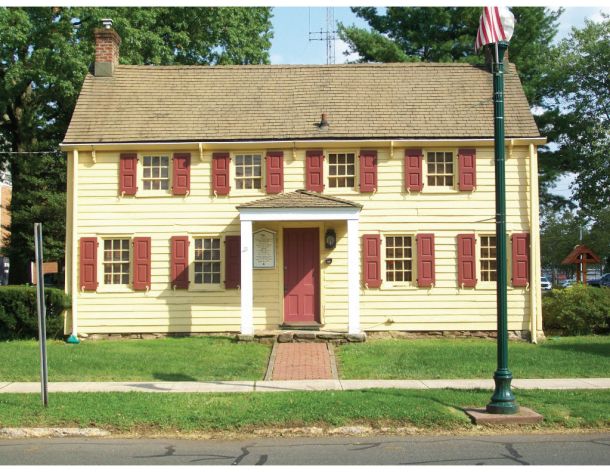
(42, 314)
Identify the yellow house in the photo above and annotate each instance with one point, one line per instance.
(347, 198)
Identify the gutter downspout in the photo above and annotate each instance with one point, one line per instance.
(73, 339)
(535, 294)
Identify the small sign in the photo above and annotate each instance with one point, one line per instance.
(263, 249)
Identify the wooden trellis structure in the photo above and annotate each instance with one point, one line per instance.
(581, 255)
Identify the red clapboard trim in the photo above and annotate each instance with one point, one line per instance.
(368, 171)
(220, 173)
(180, 261)
(467, 168)
(88, 263)
(314, 164)
(413, 170)
(371, 260)
(521, 256)
(181, 181)
(275, 171)
(128, 173)
(141, 263)
(425, 260)
(467, 269)
(232, 261)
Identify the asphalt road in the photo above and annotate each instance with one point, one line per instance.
(586, 449)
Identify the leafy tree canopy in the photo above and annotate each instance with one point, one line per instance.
(44, 56)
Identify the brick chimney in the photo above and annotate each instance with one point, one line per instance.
(107, 43)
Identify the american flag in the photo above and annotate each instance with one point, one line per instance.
(496, 24)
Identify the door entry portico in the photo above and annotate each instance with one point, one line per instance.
(301, 275)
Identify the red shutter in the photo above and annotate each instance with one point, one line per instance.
(425, 260)
(180, 261)
(314, 163)
(467, 168)
(88, 263)
(467, 268)
(128, 174)
(275, 172)
(413, 170)
(220, 173)
(521, 252)
(232, 261)
(368, 171)
(181, 181)
(371, 260)
(141, 263)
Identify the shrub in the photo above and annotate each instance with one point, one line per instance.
(19, 316)
(577, 310)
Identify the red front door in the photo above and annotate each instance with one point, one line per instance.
(301, 275)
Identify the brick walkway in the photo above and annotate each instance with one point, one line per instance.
(302, 361)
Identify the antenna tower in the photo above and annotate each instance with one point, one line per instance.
(329, 35)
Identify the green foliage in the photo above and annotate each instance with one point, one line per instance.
(447, 34)
(19, 317)
(44, 58)
(577, 310)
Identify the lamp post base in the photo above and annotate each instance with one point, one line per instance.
(502, 401)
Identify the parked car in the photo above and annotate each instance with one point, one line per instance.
(545, 283)
(567, 283)
(603, 281)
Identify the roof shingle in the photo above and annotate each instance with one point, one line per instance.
(265, 102)
(300, 199)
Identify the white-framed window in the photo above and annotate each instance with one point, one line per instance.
(399, 258)
(440, 169)
(248, 171)
(207, 261)
(341, 169)
(156, 172)
(487, 258)
(116, 261)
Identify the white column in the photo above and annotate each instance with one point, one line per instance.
(353, 264)
(247, 293)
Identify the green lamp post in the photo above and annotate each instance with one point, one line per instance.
(503, 399)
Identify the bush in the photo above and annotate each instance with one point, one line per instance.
(577, 310)
(19, 316)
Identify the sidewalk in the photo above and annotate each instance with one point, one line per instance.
(242, 386)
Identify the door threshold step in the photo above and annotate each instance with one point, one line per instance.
(302, 326)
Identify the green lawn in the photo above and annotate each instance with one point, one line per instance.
(579, 356)
(176, 413)
(171, 359)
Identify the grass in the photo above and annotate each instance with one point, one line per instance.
(168, 359)
(188, 413)
(578, 356)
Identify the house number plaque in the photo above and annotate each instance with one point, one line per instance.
(263, 249)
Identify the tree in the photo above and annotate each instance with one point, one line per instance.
(44, 56)
(446, 34)
(577, 121)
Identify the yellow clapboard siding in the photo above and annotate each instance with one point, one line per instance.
(102, 212)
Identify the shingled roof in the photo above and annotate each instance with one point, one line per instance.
(285, 102)
(300, 199)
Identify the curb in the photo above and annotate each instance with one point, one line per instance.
(18, 433)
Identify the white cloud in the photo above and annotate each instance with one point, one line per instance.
(597, 17)
(276, 59)
(341, 47)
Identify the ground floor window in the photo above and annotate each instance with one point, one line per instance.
(399, 258)
(488, 259)
(207, 260)
(116, 261)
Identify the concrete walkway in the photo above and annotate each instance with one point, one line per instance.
(242, 386)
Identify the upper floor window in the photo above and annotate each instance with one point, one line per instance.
(440, 169)
(155, 173)
(207, 260)
(488, 259)
(116, 261)
(399, 258)
(248, 171)
(341, 169)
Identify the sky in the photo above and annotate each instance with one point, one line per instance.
(291, 25)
